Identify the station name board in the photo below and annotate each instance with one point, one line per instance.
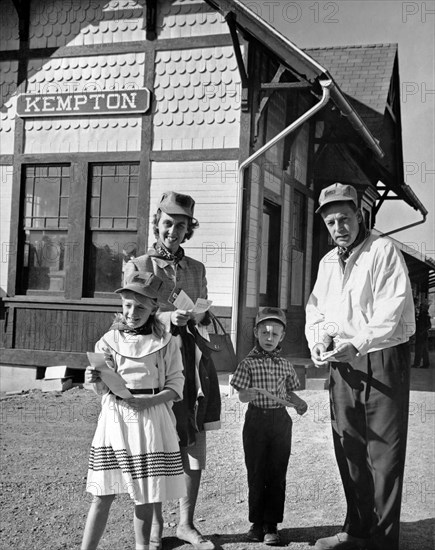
(103, 102)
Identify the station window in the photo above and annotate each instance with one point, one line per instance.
(112, 224)
(45, 227)
(110, 200)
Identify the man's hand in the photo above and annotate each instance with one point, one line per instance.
(345, 352)
(316, 355)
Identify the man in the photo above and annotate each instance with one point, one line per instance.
(361, 310)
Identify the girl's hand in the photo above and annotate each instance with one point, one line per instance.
(180, 317)
(140, 403)
(92, 375)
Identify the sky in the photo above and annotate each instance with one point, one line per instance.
(310, 23)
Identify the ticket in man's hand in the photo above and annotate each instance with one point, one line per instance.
(329, 355)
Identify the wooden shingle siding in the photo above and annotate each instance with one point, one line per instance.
(198, 95)
(187, 19)
(83, 134)
(8, 86)
(58, 23)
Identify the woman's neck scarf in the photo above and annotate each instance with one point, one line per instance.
(175, 257)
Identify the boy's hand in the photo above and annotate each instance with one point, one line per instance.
(92, 375)
(301, 407)
(247, 395)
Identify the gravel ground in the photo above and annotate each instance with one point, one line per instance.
(45, 441)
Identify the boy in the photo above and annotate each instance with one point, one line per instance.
(266, 380)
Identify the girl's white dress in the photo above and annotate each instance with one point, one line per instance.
(137, 452)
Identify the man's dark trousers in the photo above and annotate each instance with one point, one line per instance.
(369, 414)
(267, 443)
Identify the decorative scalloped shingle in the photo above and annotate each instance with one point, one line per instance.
(84, 134)
(188, 18)
(8, 86)
(197, 98)
(77, 23)
(9, 38)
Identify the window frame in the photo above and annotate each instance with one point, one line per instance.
(77, 225)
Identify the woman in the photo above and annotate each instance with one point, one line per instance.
(199, 410)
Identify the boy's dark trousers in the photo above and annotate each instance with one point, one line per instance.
(369, 414)
(267, 443)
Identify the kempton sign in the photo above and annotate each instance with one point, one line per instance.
(103, 102)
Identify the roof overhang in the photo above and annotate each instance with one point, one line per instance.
(312, 72)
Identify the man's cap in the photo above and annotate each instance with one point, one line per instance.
(176, 203)
(142, 282)
(337, 192)
(271, 313)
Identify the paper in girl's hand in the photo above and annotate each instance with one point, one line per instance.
(112, 379)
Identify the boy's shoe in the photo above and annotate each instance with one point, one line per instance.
(256, 533)
(271, 536)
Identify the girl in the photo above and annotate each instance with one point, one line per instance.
(135, 447)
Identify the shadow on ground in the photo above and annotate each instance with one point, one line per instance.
(413, 534)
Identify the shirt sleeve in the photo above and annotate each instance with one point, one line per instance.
(315, 331)
(391, 292)
(241, 379)
(292, 380)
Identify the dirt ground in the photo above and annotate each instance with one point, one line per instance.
(45, 442)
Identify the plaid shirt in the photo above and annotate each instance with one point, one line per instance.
(268, 371)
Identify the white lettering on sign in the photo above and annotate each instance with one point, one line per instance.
(86, 103)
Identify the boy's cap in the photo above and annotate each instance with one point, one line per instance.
(176, 203)
(142, 282)
(271, 313)
(337, 192)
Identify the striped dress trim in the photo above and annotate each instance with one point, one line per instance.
(138, 466)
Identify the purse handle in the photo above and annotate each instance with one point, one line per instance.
(217, 323)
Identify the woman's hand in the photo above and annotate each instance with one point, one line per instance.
(92, 375)
(180, 317)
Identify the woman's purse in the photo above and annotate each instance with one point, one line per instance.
(220, 348)
(222, 351)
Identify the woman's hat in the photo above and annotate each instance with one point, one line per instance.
(176, 203)
(142, 282)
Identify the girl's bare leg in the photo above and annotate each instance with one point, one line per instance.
(96, 521)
